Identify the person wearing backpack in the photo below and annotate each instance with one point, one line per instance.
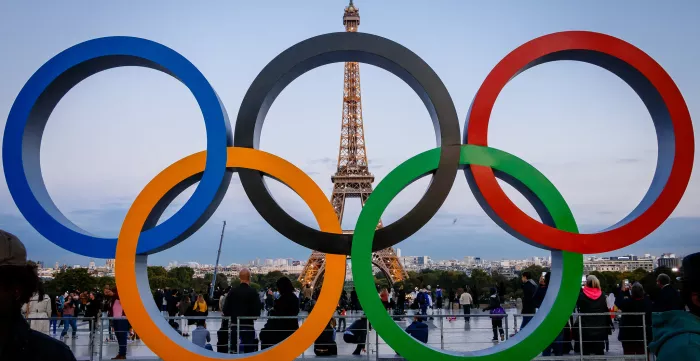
(497, 313)
(422, 301)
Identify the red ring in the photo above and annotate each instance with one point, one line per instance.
(607, 240)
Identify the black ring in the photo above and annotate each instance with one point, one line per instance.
(343, 47)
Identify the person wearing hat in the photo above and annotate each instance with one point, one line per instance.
(677, 333)
(19, 282)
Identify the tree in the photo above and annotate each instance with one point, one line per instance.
(479, 283)
(183, 276)
(71, 279)
(221, 280)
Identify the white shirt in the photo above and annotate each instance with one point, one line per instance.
(465, 299)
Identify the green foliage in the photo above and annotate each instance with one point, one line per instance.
(183, 276)
(71, 279)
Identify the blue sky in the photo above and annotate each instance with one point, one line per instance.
(581, 126)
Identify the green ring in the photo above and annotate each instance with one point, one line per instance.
(564, 285)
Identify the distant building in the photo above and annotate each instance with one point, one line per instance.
(469, 261)
(109, 264)
(91, 265)
(398, 252)
(618, 264)
(669, 260)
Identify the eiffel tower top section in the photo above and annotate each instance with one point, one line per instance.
(351, 18)
(352, 156)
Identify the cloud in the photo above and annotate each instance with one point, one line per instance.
(324, 160)
(627, 160)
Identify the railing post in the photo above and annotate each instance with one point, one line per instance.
(91, 338)
(367, 340)
(101, 337)
(506, 329)
(442, 334)
(515, 323)
(228, 331)
(580, 337)
(644, 331)
(376, 338)
(238, 334)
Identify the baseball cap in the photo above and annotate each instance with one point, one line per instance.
(12, 251)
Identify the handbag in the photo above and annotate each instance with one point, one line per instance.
(499, 313)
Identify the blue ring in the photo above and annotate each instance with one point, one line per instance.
(39, 96)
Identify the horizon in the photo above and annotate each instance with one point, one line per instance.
(581, 126)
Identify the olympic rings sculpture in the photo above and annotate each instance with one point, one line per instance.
(141, 235)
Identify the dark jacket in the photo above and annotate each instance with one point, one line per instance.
(529, 291)
(669, 299)
(172, 300)
(92, 308)
(278, 329)
(418, 330)
(676, 336)
(632, 326)
(539, 296)
(359, 331)
(29, 345)
(242, 301)
(595, 328)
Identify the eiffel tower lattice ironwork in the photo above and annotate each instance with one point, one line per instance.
(352, 179)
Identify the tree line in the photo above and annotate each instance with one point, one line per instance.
(479, 282)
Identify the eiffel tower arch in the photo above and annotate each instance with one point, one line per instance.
(352, 178)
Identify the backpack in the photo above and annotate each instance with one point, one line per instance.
(421, 299)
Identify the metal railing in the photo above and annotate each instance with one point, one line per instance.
(451, 332)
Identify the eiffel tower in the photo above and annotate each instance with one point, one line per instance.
(352, 179)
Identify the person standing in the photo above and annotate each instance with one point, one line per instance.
(19, 282)
(632, 328)
(384, 296)
(595, 328)
(529, 291)
(183, 308)
(669, 299)
(354, 301)
(39, 306)
(69, 309)
(307, 293)
(92, 310)
(677, 333)
(438, 298)
(54, 315)
(497, 312)
(243, 301)
(277, 330)
(466, 301)
(120, 323)
(452, 297)
(401, 300)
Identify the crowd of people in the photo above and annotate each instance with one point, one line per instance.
(28, 316)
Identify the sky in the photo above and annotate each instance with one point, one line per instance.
(581, 126)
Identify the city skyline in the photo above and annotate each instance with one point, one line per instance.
(579, 125)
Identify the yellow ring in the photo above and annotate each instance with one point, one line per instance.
(126, 272)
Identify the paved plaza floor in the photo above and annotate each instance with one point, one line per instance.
(458, 335)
